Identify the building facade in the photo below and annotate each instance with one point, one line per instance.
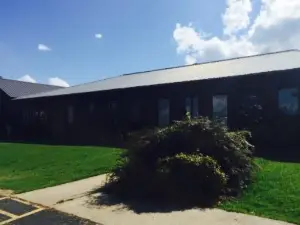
(96, 117)
(11, 112)
(260, 93)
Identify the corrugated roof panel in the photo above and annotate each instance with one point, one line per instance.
(15, 88)
(226, 68)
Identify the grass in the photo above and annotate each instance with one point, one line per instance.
(275, 193)
(26, 167)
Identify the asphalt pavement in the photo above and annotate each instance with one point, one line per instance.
(15, 211)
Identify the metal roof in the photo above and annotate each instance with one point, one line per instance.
(218, 69)
(15, 88)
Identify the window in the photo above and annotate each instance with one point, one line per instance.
(70, 114)
(29, 115)
(188, 105)
(135, 112)
(220, 108)
(92, 107)
(26, 115)
(43, 115)
(195, 112)
(249, 111)
(191, 106)
(289, 101)
(113, 106)
(163, 112)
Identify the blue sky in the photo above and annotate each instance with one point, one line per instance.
(136, 36)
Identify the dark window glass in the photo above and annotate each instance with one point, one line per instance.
(91, 107)
(135, 113)
(195, 112)
(191, 106)
(113, 106)
(188, 105)
(163, 112)
(289, 101)
(220, 108)
(70, 114)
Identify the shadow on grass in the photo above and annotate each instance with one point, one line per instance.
(65, 143)
(99, 198)
(279, 154)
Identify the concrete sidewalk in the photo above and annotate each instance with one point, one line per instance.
(121, 215)
(73, 198)
(54, 195)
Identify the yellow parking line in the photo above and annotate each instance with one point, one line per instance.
(22, 201)
(8, 214)
(26, 203)
(19, 217)
(30, 213)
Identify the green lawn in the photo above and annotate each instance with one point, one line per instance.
(26, 167)
(275, 193)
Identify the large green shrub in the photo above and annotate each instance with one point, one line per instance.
(195, 161)
(199, 177)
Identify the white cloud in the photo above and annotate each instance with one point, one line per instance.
(276, 27)
(52, 81)
(98, 36)
(190, 59)
(236, 16)
(27, 78)
(42, 47)
(193, 45)
(58, 82)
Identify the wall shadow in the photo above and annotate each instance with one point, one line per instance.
(279, 153)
